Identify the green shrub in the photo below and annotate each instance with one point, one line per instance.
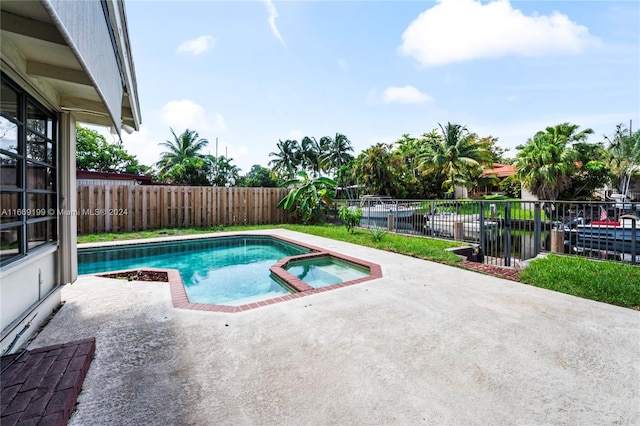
(377, 233)
(350, 218)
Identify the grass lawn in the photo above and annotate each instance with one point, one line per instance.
(608, 282)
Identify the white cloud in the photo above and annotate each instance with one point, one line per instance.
(198, 45)
(186, 114)
(404, 95)
(460, 30)
(273, 14)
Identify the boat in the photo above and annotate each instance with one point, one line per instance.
(443, 224)
(379, 207)
(621, 236)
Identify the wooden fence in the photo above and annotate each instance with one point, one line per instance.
(116, 208)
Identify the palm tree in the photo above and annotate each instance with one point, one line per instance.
(285, 162)
(223, 172)
(377, 170)
(547, 162)
(456, 154)
(309, 155)
(184, 146)
(624, 157)
(336, 152)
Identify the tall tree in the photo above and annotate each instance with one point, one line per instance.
(94, 153)
(309, 155)
(222, 171)
(285, 162)
(185, 146)
(624, 156)
(337, 156)
(456, 154)
(258, 177)
(377, 170)
(547, 162)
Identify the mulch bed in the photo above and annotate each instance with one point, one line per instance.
(140, 275)
(496, 271)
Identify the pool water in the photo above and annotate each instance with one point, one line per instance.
(222, 270)
(325, 271)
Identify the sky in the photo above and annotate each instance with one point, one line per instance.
(250, 73)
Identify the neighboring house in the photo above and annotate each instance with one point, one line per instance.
(489, 182)
(87, 178)
(61, 62)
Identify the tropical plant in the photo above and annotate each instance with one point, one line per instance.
(350, 218)
(309, 197)
(309, 155)
(511, 186)
(258, 177)
(190, 171)
(286, 161)
(377, 233)
(624, 156)
(185, 146)
(336, 152)
(222, 171)
(377, 170)
(94, 153)
(547, 162)
(457, 154)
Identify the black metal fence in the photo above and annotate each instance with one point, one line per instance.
(510, 232)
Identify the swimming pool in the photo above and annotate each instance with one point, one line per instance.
(233, 271)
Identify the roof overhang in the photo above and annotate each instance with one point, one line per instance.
(76, 55)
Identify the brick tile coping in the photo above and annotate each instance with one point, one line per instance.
(42, 385)
(180, 299)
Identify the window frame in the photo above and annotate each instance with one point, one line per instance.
(26, 186)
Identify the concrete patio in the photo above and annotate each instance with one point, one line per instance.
(425, 344)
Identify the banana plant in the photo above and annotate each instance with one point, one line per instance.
(309, 197)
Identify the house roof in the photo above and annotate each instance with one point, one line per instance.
(499, 170)
(85, 174)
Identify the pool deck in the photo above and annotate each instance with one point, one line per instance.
(424, 344)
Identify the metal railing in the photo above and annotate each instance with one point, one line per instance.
(513, 231)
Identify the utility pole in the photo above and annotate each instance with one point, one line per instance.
(216, 165)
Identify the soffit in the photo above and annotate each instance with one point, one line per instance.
(47, 62)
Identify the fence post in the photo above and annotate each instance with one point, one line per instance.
(481, 242)
(458, 230)
(507, 233)
(537, 225)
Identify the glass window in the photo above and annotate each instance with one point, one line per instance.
(10, 243)
(9, 101)
(27, 173)
(9, 207)
(8, 135)
(36, 147)
(10, 171)
(39, 233)
(39, 204)
(39, 176)
(38, 121)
